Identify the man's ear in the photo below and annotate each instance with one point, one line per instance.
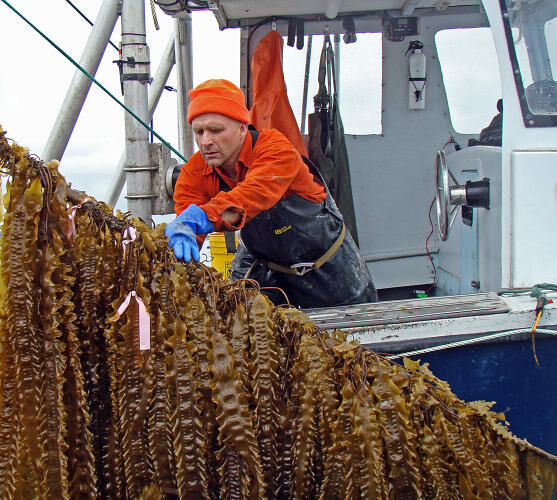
(243, 130)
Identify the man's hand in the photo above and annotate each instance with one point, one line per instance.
(182, 231)
(231, 217)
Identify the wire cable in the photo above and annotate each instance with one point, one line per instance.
(87, 19)
(154, 14)
(86, 73)
(475, 340)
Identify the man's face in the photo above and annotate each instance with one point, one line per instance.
(219, 139)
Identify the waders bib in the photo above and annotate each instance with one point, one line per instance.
(303, 248)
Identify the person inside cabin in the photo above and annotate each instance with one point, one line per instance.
(492, 135)
(292, 235)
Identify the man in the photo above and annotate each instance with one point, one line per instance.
(292, 234)
(492, 135)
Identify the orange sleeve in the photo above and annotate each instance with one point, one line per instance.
(189, 186)
(276, 163)
(189, 189)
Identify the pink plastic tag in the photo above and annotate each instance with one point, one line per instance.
(144, 320)
(128, 237)
(70, 230)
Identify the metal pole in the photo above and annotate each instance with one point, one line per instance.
(244, 60)
(80, 84)
(337, 65)
(306, 85)
(135, 76)
(184, 66)
(155, 92)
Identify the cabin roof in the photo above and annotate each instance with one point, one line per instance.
(247, 9)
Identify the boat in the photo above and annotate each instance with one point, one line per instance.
(454, 193)
(471, 292)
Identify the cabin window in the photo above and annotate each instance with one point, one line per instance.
(471, 77)
(531, 30)
(360, 86)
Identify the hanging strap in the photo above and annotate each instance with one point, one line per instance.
(302, 268)
(326, 95)
(295, 33)
(321, 100)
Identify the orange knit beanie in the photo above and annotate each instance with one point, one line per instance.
(218, 96)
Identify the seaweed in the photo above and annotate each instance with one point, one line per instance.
(264, 370)
(160, 431)
(190, 443)
(228, 397)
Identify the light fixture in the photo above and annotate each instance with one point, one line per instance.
(331, 8)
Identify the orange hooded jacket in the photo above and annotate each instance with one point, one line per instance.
(271, 171)
(271, 108)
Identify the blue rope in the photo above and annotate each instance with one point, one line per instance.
(77, 65)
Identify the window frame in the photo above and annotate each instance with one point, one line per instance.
(530, 119)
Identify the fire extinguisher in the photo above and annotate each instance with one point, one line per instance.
(416, 75)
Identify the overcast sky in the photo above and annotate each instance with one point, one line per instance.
(34, 78)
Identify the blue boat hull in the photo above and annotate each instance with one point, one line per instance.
(507, 373)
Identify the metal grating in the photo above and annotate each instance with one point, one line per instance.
(407, 311)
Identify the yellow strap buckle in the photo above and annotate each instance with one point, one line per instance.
(302, 268)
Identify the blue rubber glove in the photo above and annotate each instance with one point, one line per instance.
(182, 230)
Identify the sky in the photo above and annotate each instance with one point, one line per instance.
(35, 77)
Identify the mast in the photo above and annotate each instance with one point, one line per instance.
(156, 88)
(135, 78)
(184, 66)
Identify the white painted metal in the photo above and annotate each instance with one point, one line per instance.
(331, 8)
(533, 216)
(216, 9)
(404, 271)
(409, 6)
(134, 45)
(238, 9)
(394, 254)
(155, 91)
(517, 137)
(80, 84)
(474, 253)
(184, 65)
(392, 174)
